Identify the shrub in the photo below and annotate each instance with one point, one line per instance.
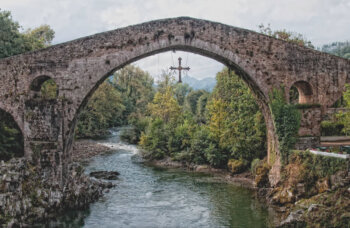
(214, 156)
(329, 128)
(154, 140)
(237, 166)
(130, 135)
(254, 165)
(200, 141)
(262, 174)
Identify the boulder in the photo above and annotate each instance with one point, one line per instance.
(107, 175)
(202, 168)
(294, 220)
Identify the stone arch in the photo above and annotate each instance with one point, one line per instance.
(40, 85)
(304, 92)
(10, 130)
(261, 99)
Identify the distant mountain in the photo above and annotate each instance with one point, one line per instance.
(207, 84)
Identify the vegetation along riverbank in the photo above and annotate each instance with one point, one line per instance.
(220, 130)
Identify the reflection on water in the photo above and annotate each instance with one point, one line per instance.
(152, 197)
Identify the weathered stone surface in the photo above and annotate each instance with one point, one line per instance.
(79, 67)
(294, 220)
(27, 198)
(107, 175)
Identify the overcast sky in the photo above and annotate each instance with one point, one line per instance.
(321, 21)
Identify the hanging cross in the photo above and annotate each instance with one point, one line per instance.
(179, 68)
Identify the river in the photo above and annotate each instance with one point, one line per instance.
(147, 196)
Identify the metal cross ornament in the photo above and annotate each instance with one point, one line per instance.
(179, 68)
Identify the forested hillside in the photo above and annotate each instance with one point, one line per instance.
(341, 49)
(203, 128)
(120, 100)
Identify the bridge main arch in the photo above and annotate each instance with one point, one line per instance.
(79, 66)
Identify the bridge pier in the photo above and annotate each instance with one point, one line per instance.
(43, 139)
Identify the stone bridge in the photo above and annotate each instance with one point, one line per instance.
(78, 67)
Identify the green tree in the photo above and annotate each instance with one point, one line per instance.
(103, 110)
(13, 42)
(165, 106)
(235, 119)
(136, 88)
(155, 139)
(191, 100)
(201, 111)
(341, 49)
(39, 37)
(180, 91)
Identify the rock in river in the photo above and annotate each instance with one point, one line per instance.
(107, 175)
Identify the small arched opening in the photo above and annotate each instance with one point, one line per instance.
(300, 93)
(11, 137)
(44, 87)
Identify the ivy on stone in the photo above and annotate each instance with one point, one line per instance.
(286, 120)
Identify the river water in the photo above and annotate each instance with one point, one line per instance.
(146, 196)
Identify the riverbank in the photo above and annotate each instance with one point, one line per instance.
(31, 195)
(319, 197)
(245, 179)
(84, 150)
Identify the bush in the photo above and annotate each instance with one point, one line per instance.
(154, 140)
(329, 128)
(254, 165)
(130, 135)
(317, 166)
(262, 174)
(214, 156)
(199, 143)
(237, 166)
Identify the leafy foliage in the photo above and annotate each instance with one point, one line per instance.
(287, 122)
(11, 139)
(13, 42)
(121, 99)
(331, 128)
(211, 129)
(235, 119)
(104, 110)
(49, 90)
(344, 117)
(285, 35)
(136, 88)
(165, 106)
(341, 49)
(315, 167)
